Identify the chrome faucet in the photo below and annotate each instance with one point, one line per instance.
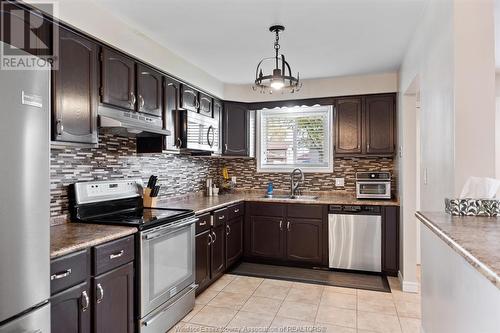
(295, 185)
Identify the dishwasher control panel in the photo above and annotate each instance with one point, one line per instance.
(354, 209)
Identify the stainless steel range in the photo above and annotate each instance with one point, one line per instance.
(165, 246)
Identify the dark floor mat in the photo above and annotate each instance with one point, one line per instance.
(369, 281)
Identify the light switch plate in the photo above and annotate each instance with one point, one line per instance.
(339, 182)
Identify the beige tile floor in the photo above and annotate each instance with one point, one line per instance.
(247, 304)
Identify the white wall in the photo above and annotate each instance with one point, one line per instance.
(328, 87)
(452, 55)
(95, 20)
(497, 125)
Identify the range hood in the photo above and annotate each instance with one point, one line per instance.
(129, 122)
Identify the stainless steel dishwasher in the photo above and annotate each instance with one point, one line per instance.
(355, 237)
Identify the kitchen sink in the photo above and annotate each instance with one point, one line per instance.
(292, 197)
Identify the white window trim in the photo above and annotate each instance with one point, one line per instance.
(290, 168)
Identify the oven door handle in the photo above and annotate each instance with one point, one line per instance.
(170, 229)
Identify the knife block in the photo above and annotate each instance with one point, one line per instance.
(147, 200)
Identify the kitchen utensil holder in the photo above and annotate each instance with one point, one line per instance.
(148, 201)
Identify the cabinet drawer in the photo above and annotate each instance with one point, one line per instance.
(305, 211)
(266, 209)
(220, 216)
(203, 223)
(69, 270)
(113, 254)
(236, 210)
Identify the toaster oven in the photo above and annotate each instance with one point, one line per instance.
(373, 185)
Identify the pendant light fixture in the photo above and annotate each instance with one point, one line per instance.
(281, 78)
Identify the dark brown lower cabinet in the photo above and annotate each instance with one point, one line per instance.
(114, 299)
(71, 310)
(390, 240)
(234, 240)
(304, 240)
(266, 238)
(203, 256)
(218, 254)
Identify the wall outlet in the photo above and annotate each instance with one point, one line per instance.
(339, 182)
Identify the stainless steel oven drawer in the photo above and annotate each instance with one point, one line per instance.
(170, 313)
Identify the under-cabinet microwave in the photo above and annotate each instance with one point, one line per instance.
(199, 132)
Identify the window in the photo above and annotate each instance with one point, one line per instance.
(296, 137)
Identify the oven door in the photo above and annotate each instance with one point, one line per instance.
(167, 263)
(373, 190)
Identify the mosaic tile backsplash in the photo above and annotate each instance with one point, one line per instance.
(346, 167)
(116, 157)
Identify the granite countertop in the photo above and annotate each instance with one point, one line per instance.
(475, 238)
(71, 237)
(201, 204)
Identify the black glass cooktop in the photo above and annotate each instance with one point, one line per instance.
(143, 218)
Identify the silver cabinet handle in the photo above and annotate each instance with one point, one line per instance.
(100, 293)
(367, 146)
(203, 223)
(132, 99)
(221, 217)
(116, 255)
(85, 301)
(288, 225)
(61, 275)
(237, 210)
(209, 239)
(215, 236)
(59, 127)
(281, 225)
(225, 146)
(141, 102)
(228, 230)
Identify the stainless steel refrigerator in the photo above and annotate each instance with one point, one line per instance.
(24, 201)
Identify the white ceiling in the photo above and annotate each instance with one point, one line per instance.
(323, 38)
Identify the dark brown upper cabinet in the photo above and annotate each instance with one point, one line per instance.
(189, 98)
(235, 129)
(75, 89)
(206, 105)
(149, 90)
(379, 124)
(348, 126)
(365, 125)
(171, 119)
(118, 80)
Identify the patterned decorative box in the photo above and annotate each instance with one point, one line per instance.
(473, 207)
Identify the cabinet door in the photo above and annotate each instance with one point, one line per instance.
(235, 129)
(206, 105)
(70, 310)
(203, 256)
(266, 239)
(149, 90)
(75, 89)
(218, 251)
(348, 126)
(117, 80)
(171, 117)
(114, 301)
(390, 240)
(189, 98)
(379, 124)
(234, 240)
(304, 240)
